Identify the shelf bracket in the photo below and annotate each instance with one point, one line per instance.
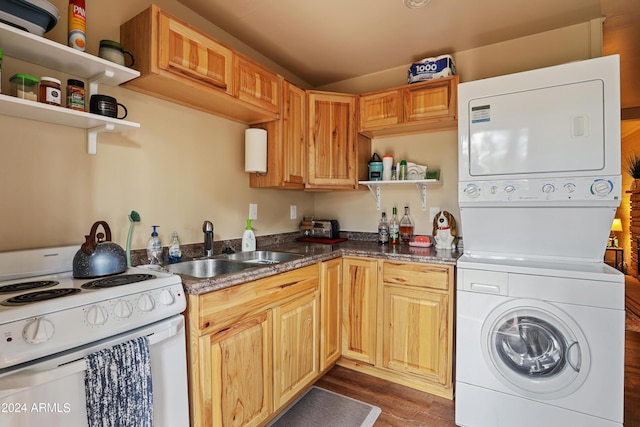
(95, 81)
(375, 192)
(92, 136)
(422, 188)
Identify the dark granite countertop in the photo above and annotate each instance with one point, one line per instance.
(317, 252)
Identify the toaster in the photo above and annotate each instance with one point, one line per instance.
(321, 228)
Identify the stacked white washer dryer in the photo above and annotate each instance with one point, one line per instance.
(540, 317)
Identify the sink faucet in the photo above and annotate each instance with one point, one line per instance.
(207, 228)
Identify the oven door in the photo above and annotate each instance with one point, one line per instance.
(50, 392)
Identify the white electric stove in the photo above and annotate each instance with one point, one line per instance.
(49, 321)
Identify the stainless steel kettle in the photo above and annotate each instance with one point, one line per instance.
(98, 256)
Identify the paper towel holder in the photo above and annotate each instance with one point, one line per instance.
(255, 150)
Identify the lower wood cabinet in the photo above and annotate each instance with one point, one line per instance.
(398, 322)
(252, 348)
(359, 305)
(330, 308)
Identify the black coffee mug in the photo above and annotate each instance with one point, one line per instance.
(106, 106)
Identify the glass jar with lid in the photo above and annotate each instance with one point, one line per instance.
(50, 92)
(24, 86)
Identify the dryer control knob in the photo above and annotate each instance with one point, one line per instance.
(548, 188)
(37, 331)
(472, 190)
(601, 187)
(510, 188)
(570, 187)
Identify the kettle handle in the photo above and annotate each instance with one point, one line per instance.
(89, 246)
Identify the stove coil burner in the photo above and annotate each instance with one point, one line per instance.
(26, 286)
(38, 296)
(110, 282)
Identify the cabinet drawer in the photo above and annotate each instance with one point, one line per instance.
(433, 276)
(218, 309)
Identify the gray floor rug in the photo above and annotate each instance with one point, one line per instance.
(323, 408)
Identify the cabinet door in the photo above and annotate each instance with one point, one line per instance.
(431, 100)
(415, 325)
(331, 306)
(255, 84)
(286, 144)
(294, 118)
(359, 299)
(235, 373)
(331, 140)
(380, 109)
(189, 53)
(295, 346)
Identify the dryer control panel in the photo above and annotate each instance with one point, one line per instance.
(586, 190)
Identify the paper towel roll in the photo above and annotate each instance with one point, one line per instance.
(255, 150)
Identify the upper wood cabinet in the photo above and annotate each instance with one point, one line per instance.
(286, 144)
(255, 84)
(181, 64)
(419, 107)
(336, 154)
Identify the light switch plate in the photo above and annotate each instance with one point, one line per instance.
(253, 211)
(293, 212)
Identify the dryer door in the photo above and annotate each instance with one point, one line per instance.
(535, 349)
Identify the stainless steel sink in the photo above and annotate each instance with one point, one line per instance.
(233, 263)
(209, 267)
(263, 257)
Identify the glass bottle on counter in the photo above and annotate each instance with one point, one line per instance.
(394, 228)
(383, 230)
(406, 227)
(175, 252)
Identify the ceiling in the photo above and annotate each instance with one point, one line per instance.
(326, 41)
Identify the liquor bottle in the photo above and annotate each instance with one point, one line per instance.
(406, 227)
(394, 228)
(383, 230)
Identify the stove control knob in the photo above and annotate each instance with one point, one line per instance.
(145, 303)
(38, 330)
(122, 309)
(570, 187)
(96, 315)
(166, 297)
(509, 188)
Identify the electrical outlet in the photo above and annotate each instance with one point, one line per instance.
(293, 212)
(253, 211)
(432, 213)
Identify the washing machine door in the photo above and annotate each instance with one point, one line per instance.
(535, 349)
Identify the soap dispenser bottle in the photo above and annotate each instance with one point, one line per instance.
(248, 238)
(154, 247)
(175, 252)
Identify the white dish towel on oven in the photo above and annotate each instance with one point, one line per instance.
(118, 386)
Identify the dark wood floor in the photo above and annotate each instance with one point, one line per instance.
(403, 407)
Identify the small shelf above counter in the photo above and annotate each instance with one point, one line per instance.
(38, 50)
(47, 53)
(421, 185)
(38, 111)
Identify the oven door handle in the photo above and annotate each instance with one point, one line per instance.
(33, 378)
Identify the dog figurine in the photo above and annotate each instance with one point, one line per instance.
(444, 231)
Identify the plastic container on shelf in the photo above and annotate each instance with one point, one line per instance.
(24, 86)
(76, 94)
(34, 16)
